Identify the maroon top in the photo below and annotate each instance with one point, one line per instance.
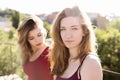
(38, 69)
(75, 75)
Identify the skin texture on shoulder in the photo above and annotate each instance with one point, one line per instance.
(91, 68)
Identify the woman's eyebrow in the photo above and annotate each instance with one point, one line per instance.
(74, 26)
(70, 26)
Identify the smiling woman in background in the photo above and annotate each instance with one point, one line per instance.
(73, 54)
(33, 48)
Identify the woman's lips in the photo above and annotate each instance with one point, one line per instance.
(69, 41)
(38, 44)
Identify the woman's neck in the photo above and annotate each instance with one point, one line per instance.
(73, 53)
(37, 52)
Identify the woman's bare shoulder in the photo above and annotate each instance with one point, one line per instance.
(91, 68)
(92, 57)
(91, 61)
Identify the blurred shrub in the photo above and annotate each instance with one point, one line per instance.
(109, 50)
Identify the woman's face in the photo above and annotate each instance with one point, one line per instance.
(36, 38)
(71, 32)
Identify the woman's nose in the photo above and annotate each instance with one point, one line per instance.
(68, 34)
(36, 40)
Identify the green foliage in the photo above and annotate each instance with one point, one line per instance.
(8, 62)
(9, 54)
(6, 13)
(114, 24)
(15, 19)
(23, 16)
(3, 35)
(13, 16)
(47, 27)
(109, 50)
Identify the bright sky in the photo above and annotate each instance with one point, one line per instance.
(48, 6)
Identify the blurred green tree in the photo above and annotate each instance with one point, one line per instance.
(15, 19)
(109, 50)
(9, 54)
(115, 23)
(47, 27)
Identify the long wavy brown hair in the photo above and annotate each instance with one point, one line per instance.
(27, 25)
(59, 54)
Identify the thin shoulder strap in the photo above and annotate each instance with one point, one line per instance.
(82, 60)
(79, 76)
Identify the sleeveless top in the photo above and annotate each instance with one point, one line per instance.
(38, 69)
(75, 76)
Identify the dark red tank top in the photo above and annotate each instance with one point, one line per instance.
(38, 69)
(75, 76)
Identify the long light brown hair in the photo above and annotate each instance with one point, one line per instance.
(27, 25)
(59, 54)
